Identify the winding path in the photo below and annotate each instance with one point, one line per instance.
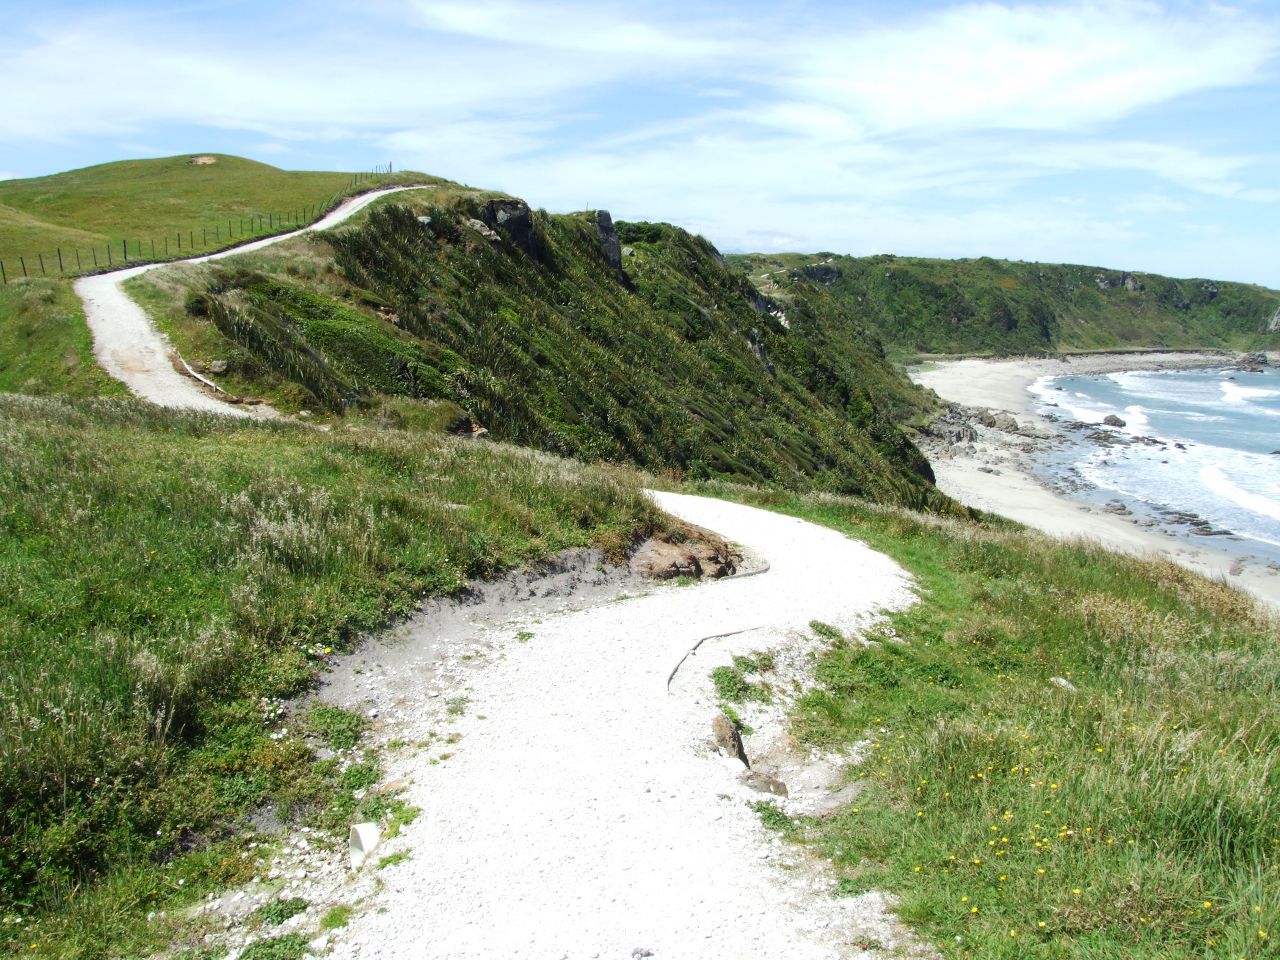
(129, 347)
(582, 814)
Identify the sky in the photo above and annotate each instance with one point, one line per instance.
(1133, 134)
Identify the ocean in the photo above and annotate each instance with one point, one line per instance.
(1198, 455)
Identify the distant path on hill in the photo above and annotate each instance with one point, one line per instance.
(578, 810)
(133, 351)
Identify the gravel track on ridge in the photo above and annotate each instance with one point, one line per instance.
(582, 813)
(133, 351)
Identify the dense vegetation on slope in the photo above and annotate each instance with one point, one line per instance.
(165, 572)
(997, 306)
(674, 364)
(215, 202)
(1130, 811)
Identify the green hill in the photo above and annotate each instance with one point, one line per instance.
(997, 306)
(209, 200)
(663, 358)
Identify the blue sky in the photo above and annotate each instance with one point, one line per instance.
(1135, 134)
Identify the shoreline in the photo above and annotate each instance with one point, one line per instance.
(982, 459)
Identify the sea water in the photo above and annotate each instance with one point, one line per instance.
(1199, 452)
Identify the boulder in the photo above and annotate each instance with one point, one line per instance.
(217, 366)
(480, 227)
(608, 236)
(763, 783)
(514, 219)
(1111, 420)
(727, 739)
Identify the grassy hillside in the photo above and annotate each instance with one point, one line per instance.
(96, 210)
(997, 306)
(1133, 811)
(45, 347)
(675, 364)
(164, 573)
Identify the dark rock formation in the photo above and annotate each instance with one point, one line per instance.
(609, 242)
(1111, 420)
(514, 219)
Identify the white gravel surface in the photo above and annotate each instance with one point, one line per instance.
(581, 812)
(130, 348)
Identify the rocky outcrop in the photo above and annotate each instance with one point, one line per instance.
(727, 739)
(756, 342)
(609, 242)
(688, 552)
(1111, 420)
(514, 219)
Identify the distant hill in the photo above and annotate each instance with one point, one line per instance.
(638, 346)
(212, 200)
(997, 306)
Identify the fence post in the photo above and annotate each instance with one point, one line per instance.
(108, 254)
(24, 265)
(4, 277)
(78, 268)
(204, 236)
(191, 239)
(153, 248)
(94, 251)
(124, 250)
(179, 241)
(271, 221)
(60, 269)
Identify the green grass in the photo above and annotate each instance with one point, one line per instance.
(657, 369)
(278, 911)
(170, 578)
(986, 306)
(95, 209)
(1136, 818)
(337, 917)
(45, 346)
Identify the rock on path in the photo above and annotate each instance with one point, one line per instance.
(583, 813)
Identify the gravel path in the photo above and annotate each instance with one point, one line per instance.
(582, 812)
(130, 348)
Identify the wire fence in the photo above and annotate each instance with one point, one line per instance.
(178, 244)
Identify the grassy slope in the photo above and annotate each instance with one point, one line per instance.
(996, 306)
(152, 199)
(45, 347)
(1137, 818)
(656, 370)
(164, 572)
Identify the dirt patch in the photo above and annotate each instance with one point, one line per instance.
(686, 551)
(203, 160)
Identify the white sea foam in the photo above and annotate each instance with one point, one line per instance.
(1217, 481)
(1233, 392)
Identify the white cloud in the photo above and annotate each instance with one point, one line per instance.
(953, 130)
(593, 29)
(1065, 66)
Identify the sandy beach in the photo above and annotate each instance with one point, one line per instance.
(984, 463)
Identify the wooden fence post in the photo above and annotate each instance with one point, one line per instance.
(94, 251)
(4, 277)
(41, 257)
(108, 254)
(124, 249)
(153, 248)
(204, 236)
(23, 264)
(78, 268)
(60, 269)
